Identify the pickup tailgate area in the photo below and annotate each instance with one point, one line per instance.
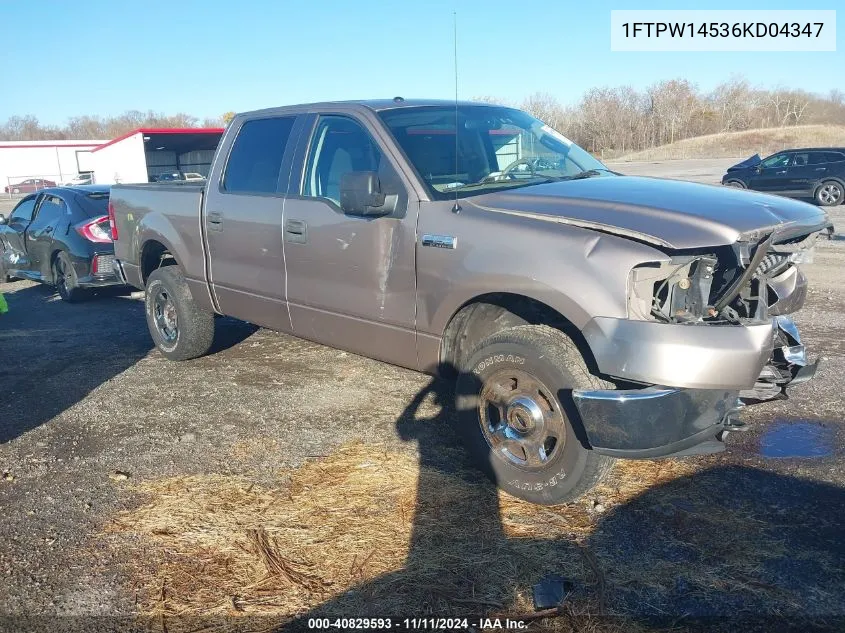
(151, 219)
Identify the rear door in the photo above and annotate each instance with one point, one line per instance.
(242, 221)
(13, 236)
(806, 170)
(772, 175)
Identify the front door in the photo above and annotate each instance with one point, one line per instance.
(351, 281)
(243, 223)
(13, 238)
(49, 213)
(771, 174)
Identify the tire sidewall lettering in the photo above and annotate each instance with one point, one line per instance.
(493, 359)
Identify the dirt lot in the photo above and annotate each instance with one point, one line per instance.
(274, 475)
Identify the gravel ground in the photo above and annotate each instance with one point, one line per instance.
(85, 397)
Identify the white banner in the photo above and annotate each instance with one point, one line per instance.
(722, 30)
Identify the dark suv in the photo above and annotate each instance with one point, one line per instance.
(815, 172)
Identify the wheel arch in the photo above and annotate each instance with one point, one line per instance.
(155, 252)
(485, 314)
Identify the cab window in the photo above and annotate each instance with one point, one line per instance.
(23, 212)
(778, 160)
(255, 161)
(50, 209)
(339, 146)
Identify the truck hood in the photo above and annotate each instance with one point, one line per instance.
(668, 213)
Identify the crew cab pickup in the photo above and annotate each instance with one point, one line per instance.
(584, 315)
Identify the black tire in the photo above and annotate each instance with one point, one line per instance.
(540, 364)
(736, 184)
(65, 279)
(179, 328)
(829, 194)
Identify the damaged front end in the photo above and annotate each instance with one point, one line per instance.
(707, 333)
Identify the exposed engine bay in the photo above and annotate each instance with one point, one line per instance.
(748, 283)
(739, 284)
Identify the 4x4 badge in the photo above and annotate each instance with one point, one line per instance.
(439, 241)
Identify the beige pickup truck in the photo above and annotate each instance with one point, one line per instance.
(585, 316)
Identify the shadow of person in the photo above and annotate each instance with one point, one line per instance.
(456, 534)
(726, 546)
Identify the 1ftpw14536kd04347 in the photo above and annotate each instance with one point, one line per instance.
(585, 316)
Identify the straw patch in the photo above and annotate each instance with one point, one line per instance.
(365, 526)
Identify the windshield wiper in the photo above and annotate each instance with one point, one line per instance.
(590, 173)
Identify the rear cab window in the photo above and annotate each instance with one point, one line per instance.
(255, 160)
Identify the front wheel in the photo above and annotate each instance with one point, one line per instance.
(518, 419)
(829, 194)
(180, 329)
(736, 184)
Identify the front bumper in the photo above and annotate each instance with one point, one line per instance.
(689, 355)
(662, 421)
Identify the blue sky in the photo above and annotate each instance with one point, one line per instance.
(206, 57)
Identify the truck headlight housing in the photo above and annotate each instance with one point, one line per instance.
(675, 290)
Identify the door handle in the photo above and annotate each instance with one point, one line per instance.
(821, 168)
(781, 172)
(296, 231)
(215, 221)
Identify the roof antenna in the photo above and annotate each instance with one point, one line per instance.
(457, 207)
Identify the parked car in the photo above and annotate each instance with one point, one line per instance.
(29, 185)
(813, 172)
(60, 236)
(80, 179)
(176, 175)
(586, 315)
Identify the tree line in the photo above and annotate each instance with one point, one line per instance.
(623, 119)
(605, 119)
(29, 128)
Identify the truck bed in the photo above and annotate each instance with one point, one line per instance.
(177, 209)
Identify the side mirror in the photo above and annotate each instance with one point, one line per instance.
(361, 194)
(3, 220)
(758, 168)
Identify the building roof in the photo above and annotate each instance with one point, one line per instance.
(163, 130)
(50, 144)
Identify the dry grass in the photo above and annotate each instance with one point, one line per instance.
(367, 530)
(743, 144)
(363, 517)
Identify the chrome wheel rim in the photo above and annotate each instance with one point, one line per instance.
(165, 316)
(830, 194)
(521, 419)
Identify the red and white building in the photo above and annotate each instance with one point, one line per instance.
(56, 161)
(143, 154)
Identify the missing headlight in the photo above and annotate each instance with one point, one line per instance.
(675, 291)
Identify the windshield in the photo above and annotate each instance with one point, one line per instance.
(496, 148)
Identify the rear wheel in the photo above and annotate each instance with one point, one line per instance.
(65, 279)
(180, 329)
(518, 418)
(829, 194)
